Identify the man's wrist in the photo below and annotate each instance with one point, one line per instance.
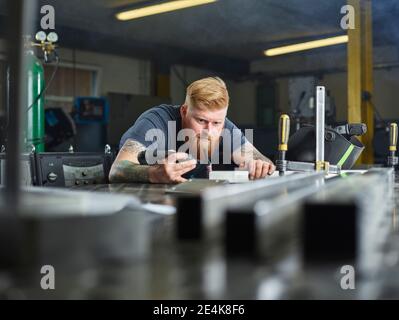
(125, 171)
(152, 176)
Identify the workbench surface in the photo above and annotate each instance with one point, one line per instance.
(200, 270)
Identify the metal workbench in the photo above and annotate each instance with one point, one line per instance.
(192, 269)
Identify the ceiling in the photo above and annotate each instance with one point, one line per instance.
(234, 28)
(230, 32)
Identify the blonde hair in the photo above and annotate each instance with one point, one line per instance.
(210, 92)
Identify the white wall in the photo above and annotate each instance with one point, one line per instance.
(117, 73)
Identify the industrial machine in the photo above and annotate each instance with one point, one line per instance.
(302, 102)
(62, 169)
(320, 163)
(66, 169)
(91, 116)
(341, 145)
(60, 129)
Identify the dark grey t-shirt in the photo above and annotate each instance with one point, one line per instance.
(158, 118)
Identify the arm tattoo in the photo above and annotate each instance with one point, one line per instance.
(132, 146)
(250, 150)
(257, 155)
(125, 171)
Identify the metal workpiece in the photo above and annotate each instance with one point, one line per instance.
(269, 225)
(345, 223)
(285, 165)
(201, 216)
(320, 122)
(73, 230)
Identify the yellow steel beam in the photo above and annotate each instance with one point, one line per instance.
(360, 74)
(367, 80)
(355, 66)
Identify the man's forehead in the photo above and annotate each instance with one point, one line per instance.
(212, 115)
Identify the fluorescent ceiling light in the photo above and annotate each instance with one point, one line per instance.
(307, 45)
(160, 8)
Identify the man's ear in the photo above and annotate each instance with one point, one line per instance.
(183, 110)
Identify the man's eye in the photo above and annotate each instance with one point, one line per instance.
(217, 123)
(201, 120)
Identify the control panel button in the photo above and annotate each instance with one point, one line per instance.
(52, 177)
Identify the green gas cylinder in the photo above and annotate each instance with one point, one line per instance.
(34, 119)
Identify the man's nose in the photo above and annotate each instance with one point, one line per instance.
(209, 128)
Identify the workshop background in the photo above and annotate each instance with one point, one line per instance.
(143, 62)
(122, 68)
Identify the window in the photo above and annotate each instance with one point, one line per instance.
(69, 82)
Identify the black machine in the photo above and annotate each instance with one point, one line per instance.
(60, 129)
(318, 147)
(62, 169)
(341, 146)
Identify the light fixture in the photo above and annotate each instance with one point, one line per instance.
(307, 45)
(160, 8)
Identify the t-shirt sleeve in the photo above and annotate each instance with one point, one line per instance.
(138, 131)
(237, 137)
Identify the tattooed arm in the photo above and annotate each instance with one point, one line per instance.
(258, 165)
(126, 167)
(248, 151)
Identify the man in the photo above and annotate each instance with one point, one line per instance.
(204, 114)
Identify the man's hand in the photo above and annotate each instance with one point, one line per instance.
(171, 171)
(258, 169)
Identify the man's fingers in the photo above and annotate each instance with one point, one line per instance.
(265, 169)
(251, 169)
(272, 168)
(179, 180)
(177, 156)
(184, 165)
(258, 169)
(181, 172)
(183, 169)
